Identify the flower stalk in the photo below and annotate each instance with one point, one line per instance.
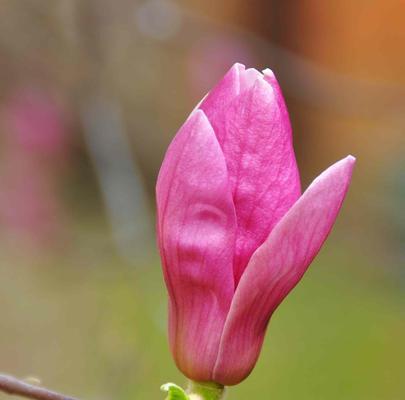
(195, 391)
(205, 391)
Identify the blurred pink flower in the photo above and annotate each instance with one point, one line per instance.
(36, 123)
(235, 233)
(34, 144)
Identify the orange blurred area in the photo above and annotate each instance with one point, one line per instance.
(92, 92)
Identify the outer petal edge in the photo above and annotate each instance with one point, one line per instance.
(276, 267)
(196, 227)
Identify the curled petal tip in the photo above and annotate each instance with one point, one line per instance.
(350, 162)
(268, 72)
(200, 116)
(239, 65)
(345, 166)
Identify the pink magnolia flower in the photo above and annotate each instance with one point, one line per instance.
(235, 233)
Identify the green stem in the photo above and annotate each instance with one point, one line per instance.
(205, 391)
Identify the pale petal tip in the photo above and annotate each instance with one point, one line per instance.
(198, 118)
(268, 72)
(239, 67)
(260, 85)
(347, 162)
(350, 159)
(246, 76)
(242, 69)
(198, 115)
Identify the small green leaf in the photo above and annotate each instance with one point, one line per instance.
(174, 391)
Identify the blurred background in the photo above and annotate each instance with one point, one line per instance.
(91, 93)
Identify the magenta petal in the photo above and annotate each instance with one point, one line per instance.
(262, 167)
(196, 230)
(218, 99)
(270, 78)
(276, 267)
(250, 119)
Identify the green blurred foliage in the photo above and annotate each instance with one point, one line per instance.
(100, 331)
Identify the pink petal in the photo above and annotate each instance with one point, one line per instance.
(276, 267)
(196, 229)
(270, 78)
(252, 125)
(218, 99)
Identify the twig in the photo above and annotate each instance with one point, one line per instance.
(13, 386)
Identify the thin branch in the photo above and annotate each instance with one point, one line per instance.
(13, 386)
